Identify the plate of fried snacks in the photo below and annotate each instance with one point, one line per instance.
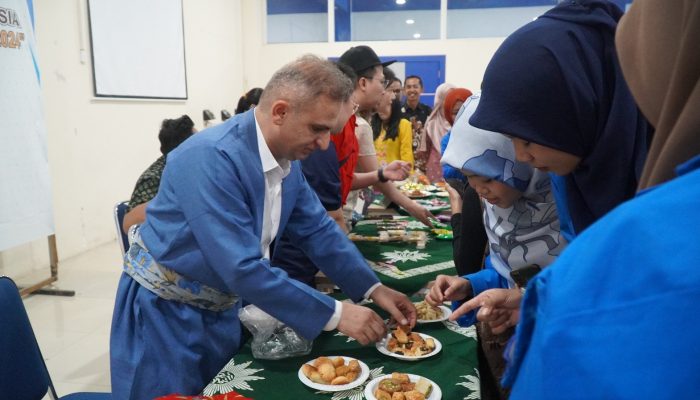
(405, 345)
(417, 194)
(333, 373)
(402, 386)
(428, 313)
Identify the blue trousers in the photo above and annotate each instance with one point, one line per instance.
(160, 347)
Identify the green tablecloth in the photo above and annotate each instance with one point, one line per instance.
(414, 267)
(454, 369)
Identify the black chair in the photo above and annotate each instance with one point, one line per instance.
(23, 373)
(119, 213)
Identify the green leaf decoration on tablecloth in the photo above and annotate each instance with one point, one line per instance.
(404, 255)
(468, 331)
(416, 225)
(471, 382)
(356, 393)
(233, 376)
(349, 339)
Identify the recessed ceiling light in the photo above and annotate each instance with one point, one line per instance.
(400, 2)
(410, 21)
(416, 35)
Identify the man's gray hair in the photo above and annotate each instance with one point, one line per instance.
(307, 79)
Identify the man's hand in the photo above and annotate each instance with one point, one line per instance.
(398, 305)
(397, 170)
(420, 213)
(448, 288)
(361, 324)
(500, 308)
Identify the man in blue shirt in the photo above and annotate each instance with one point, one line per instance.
(225, 195)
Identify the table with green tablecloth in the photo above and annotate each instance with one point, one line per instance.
(409, 268)
(453, 369)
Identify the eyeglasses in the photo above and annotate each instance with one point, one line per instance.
(385, 82)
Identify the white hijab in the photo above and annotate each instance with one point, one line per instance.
(526, 233)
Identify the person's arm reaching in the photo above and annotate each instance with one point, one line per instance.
(369, 163)
(500, 308)
(137, 215)
(395, 171)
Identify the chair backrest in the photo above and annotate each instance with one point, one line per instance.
(119, 213)
(23, 373)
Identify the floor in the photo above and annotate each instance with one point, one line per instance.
(73, 332)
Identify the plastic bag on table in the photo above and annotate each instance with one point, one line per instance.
(272, 339)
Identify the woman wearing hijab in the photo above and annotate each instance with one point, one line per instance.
(453, 103)
(556, 88)
(436, 126)
(519, 216)
(610, 318)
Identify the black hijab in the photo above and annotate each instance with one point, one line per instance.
(557, 82)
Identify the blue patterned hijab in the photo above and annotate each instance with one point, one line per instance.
(557, 82)
(527, 233)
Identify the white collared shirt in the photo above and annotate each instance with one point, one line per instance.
(275, 171)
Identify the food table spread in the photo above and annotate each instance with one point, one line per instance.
(399, 264)
(453, 369)
(406, 255)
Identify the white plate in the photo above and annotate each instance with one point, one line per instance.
(445, 314)
(415, 195)
(381, 346)
(436, 393)
(364, 374)
(441, 194)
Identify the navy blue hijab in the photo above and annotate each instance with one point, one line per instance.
(557, 82)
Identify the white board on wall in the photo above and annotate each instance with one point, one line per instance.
(138, 48)
(25, 187)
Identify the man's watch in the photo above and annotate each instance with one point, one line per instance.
(380, 175)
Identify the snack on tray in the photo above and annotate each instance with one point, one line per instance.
(400, 387)
(406, 343)
(327, 371)
(426, 312)
(411, 186)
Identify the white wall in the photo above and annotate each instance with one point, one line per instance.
(466, 59)
(98, 148)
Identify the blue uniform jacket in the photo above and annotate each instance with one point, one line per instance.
(206, 224)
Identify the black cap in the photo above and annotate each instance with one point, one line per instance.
(360, 58)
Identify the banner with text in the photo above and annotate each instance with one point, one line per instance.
(25, 191)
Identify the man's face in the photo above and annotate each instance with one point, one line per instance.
(545, 158)
(373, 90)
(413, 90)
(395, 87)
(307, 128)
